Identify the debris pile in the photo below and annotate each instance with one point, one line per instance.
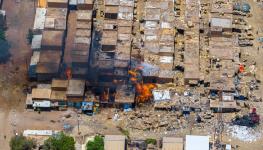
(244, 133)
(153, 121)
(250, 120)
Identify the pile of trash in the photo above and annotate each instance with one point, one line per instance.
(156, 121)
(244, 133)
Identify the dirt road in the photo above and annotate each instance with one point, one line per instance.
(13, 74)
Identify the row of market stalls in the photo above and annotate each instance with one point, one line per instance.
(57, 95)
(61, 94)
(58, 44)
(48, 40)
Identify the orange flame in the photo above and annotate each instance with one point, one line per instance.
(144, 91)
(68, 73)
(105, 96)
(133, 73)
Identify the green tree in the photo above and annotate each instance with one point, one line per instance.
(30, 36)
(96, 144)
(21, 143)
(2, 34)
(4, 51)
(151, 141)
(59, 142)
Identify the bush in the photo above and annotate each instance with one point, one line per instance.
(4, 51)
(21, 143)
(2, 34)
(151, 141)
(59, 142)
(96, 144)
(29, 36)
(4, 47)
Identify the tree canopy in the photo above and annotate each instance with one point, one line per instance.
(21, 143)
(4, 47)
(59, 142)
(96, 144)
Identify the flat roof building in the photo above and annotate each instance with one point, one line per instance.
(173, 143)
(41, 94)
(52, 40)
(115, 142)
(194, 142)
(76, 88)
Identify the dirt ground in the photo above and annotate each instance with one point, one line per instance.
(13, 74)
(14, 117)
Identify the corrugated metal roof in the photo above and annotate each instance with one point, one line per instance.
(36, 42)
(221, 22)
(39, 22)
(35, 58)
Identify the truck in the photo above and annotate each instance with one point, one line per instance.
(87, 108)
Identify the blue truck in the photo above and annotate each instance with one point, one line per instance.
(87, 108)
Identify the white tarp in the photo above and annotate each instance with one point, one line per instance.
(43, 104)
(160, 95)
(37, 133)
(40, 16)
(195, 142)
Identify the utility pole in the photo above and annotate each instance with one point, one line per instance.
(78, 124)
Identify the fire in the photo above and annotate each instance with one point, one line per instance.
(133, 73)
(105, 95)
(143, 90)
(68, 73)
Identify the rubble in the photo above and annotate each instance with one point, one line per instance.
(152, 120)
(244, 133)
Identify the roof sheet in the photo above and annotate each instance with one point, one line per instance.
(112, 2)
(221, 22)
(39, 22)
(43, 68)
(76, 87)
(114, 142)
(152, 14)
(58, 1)
(35, 58)
(194, 142)
(56, 12)
(58, 83)
(173, 143)
(127, 3)
(52, 38)
(85, 15)
(58, 95)
(50, 56)
(84, 1)
(36, 41)
(41, 93)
